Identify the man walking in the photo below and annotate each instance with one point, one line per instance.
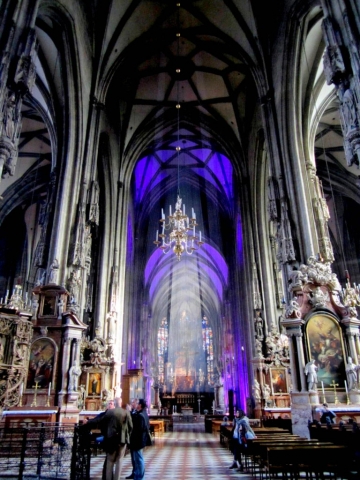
(139, 438)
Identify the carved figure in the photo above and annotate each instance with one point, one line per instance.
(74, 374)
(351, 374)
(259, 323)
(54, 270)
(348, 109)
(296, 277)
(311, 373)
(256, 390)
(73, 285)
(9, 116)
(266, 393)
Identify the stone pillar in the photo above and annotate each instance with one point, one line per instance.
(301, 360)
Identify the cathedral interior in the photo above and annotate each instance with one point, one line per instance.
(179, 205)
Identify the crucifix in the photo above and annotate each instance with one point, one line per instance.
(334, 385)
(36, 386)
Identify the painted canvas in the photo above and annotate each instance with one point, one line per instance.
(278, 381)
(326, 348)
(41, 363)
(94, 384)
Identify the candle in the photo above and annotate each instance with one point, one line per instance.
(184, 209)
(192, 213)
(200, 236)
(170, 210)
(162, 214)
(322, 386)
(49, 389)
(21, 390)
(346, 389)
(157, 235)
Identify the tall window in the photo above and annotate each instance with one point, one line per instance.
(162, 347)
(208, 349)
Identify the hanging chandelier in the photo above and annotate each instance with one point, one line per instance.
(179, 240)
(182, 236)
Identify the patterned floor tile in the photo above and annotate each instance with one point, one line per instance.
(187, 453)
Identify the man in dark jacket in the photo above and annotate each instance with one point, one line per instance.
(138, 439)
(116, 426)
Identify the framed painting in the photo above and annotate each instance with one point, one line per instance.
(48, 307)
(279, 384)
(325, 346)
(94, 384)
(41, 363)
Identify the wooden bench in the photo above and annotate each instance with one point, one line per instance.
(320, 461)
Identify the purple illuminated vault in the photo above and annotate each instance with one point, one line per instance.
(211, 166)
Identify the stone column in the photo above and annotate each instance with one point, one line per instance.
(301, 360)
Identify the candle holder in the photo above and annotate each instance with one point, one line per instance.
(34, 402)
(47, 404)
(334, 385)
(347, 399)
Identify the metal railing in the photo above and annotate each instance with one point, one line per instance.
(46, 451)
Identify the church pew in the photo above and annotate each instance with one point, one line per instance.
(319, 461)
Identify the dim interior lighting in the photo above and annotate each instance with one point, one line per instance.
(182, 237)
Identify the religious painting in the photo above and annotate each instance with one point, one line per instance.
(94, 384)
(325, 346)
(49, 306)
(41, 363)
(278, 381)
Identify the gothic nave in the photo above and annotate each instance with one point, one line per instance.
(179, 207)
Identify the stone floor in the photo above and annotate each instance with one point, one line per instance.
(187, 453)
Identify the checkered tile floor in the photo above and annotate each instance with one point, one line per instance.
(188, 453)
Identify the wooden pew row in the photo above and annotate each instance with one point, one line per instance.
(316, 461)
(255, 450)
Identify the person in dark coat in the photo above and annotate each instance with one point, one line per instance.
(139, 438)
(116, 426)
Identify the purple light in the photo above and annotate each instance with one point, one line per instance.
(153, 263)
(239, 239)
(213, 256)
(222, 169)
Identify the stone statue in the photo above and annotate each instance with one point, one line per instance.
(73, 285)
(348, 109)
(266, 393)
(74, 374)
(259, 326)
(311, 373)
(54, 270)
(256, 390)
(351, 374)
(9, 116)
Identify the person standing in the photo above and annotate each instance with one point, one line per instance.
(139, 438)
(117, 426)
(241, 428)
(93, 423)
(133, 411)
